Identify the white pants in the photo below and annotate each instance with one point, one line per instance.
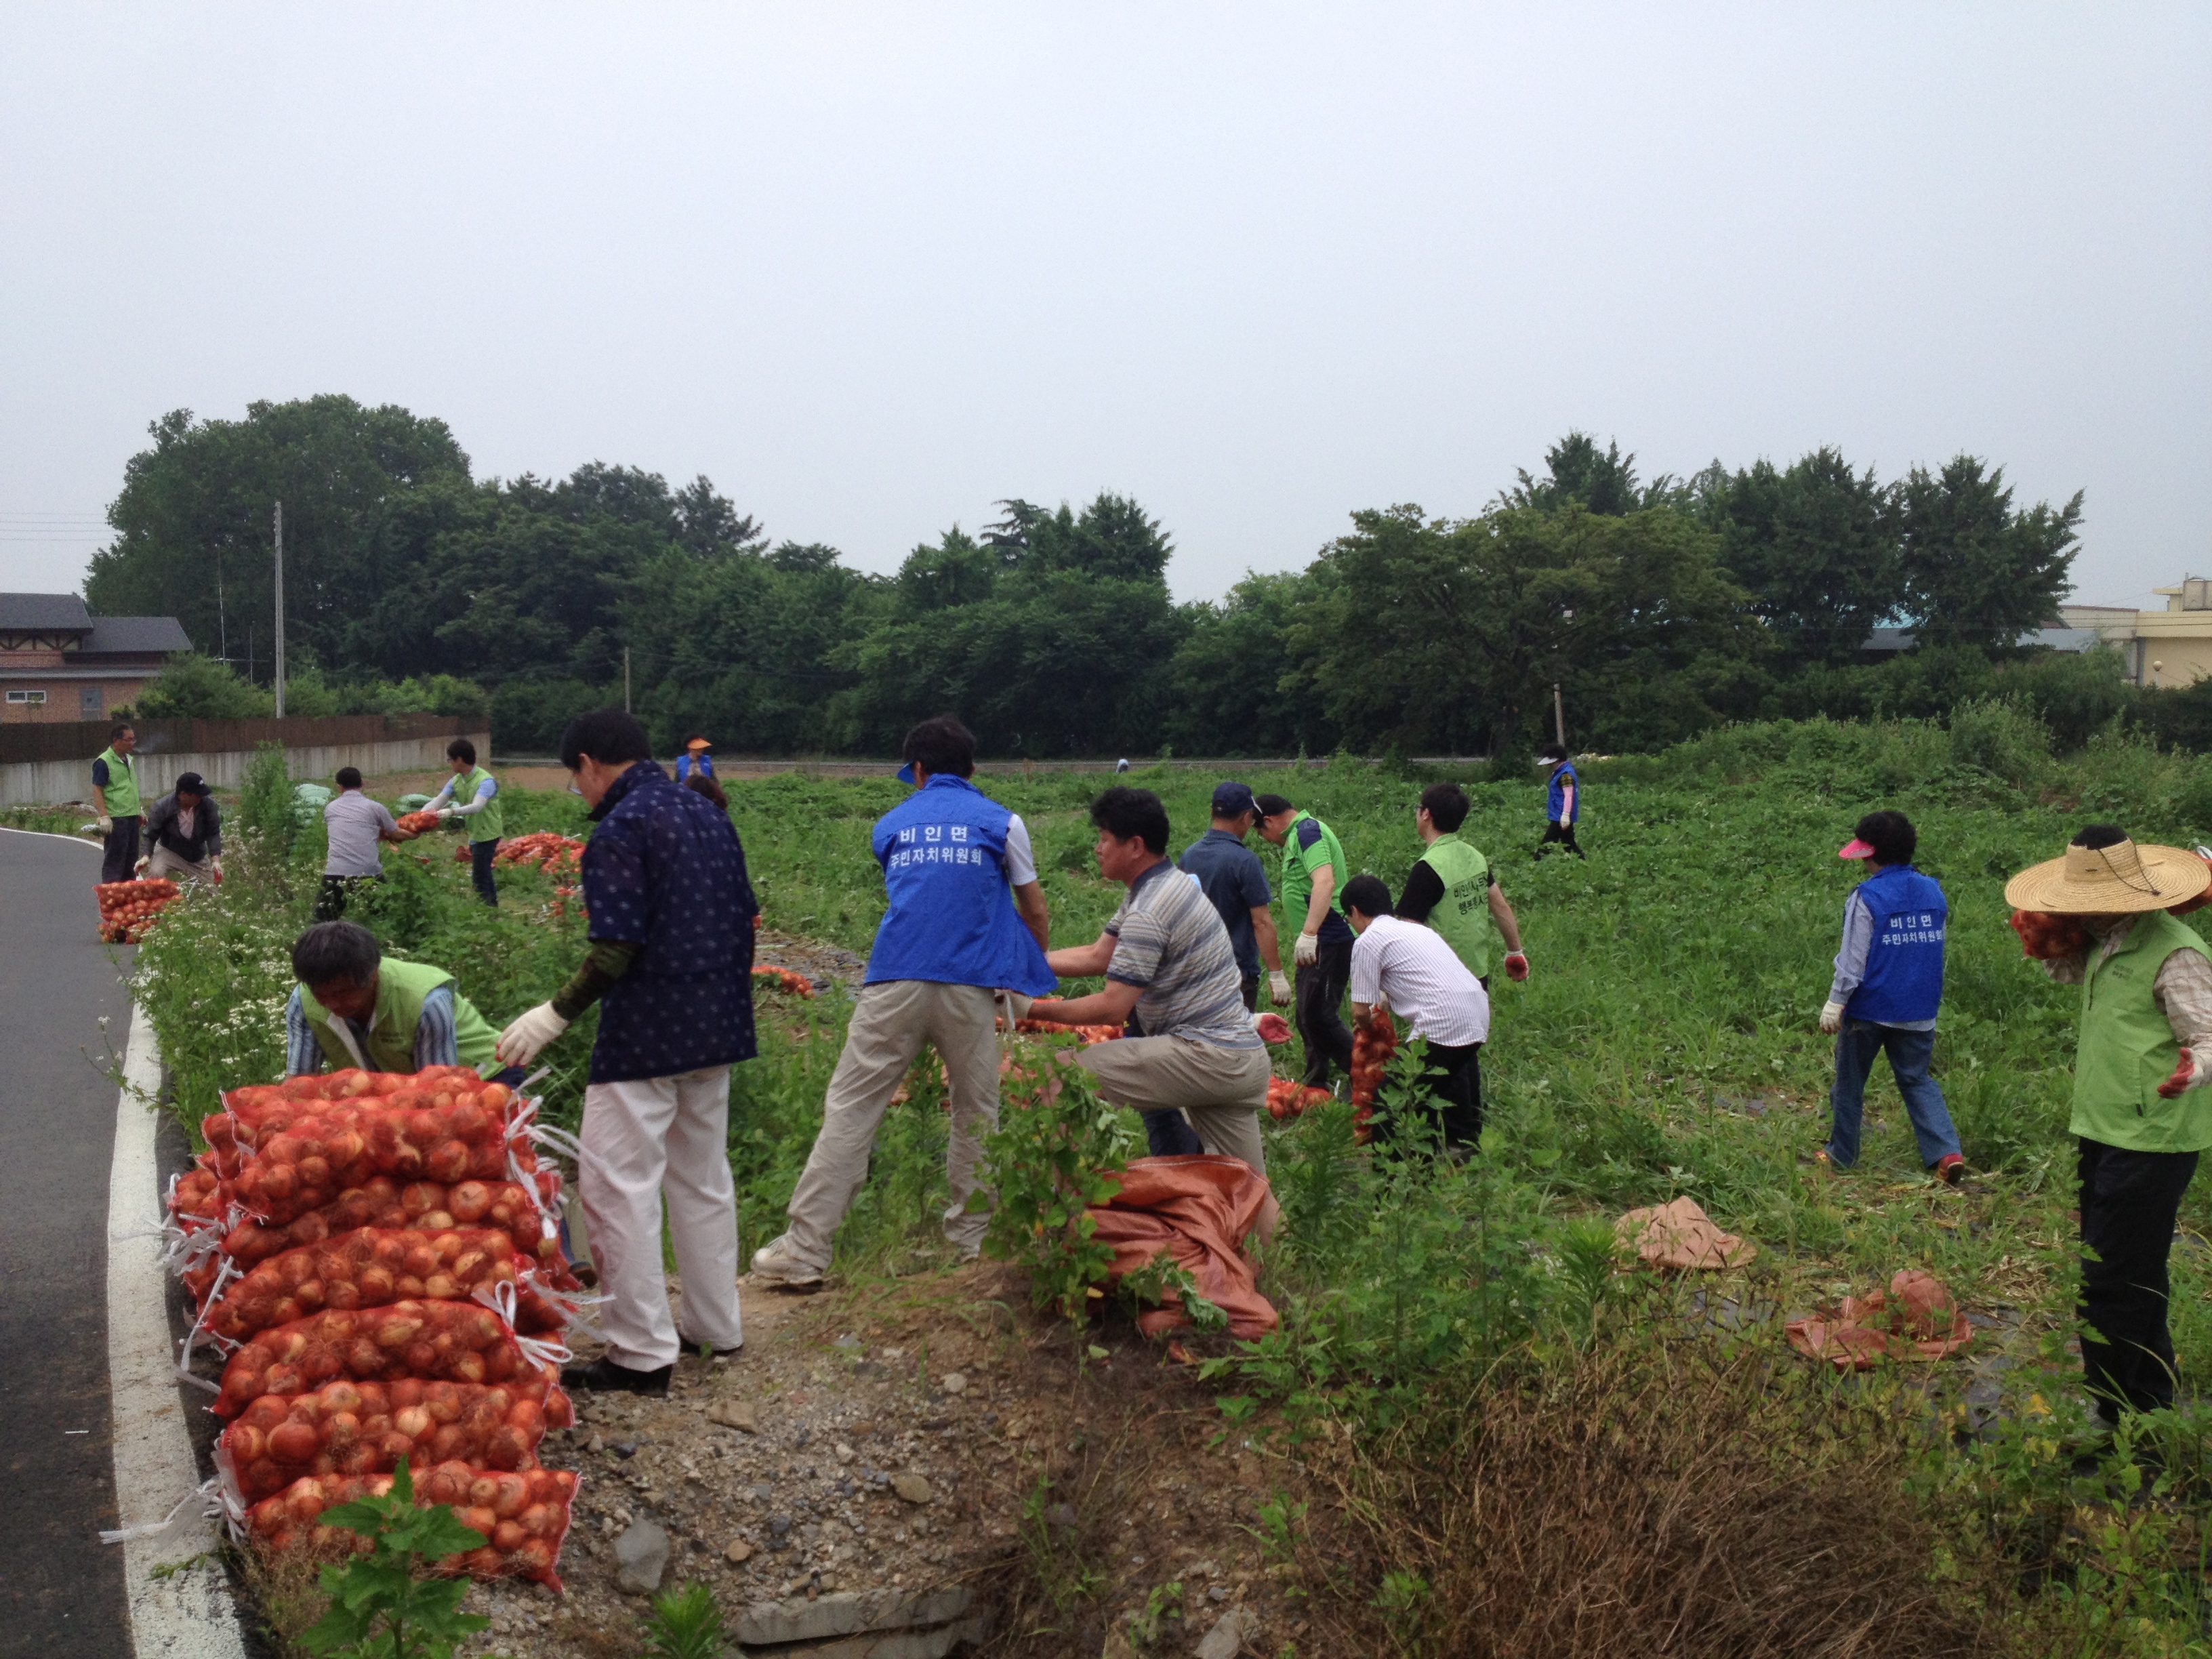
(890, 1022)
(641, 1139)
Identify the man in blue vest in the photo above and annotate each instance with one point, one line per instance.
(966, 920)
(1888, 985)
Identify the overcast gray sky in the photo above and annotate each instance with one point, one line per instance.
(872, 268)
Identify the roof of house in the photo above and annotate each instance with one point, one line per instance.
(27, 613)
(138, 635)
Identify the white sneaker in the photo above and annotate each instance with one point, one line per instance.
(776, 1262)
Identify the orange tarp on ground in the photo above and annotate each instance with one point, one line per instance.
(1200, 1210)
(1681, 1237)
(1917, 1319)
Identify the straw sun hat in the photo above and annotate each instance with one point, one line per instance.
(2120, 879)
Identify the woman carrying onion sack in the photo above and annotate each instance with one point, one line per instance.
(2101, 916)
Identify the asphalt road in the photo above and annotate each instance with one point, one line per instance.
(61, 1590)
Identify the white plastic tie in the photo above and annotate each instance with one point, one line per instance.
(207, 1493)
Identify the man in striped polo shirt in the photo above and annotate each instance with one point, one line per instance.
(1166, 956)
(1406, 966)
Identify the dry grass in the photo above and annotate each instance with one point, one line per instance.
(1643, 1502)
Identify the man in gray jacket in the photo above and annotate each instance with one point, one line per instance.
(184, 834)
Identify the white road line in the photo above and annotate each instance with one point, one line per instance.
(187, 1615)
(48, 834)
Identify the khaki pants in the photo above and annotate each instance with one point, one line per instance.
(167, 863)
(1222, 1091)
(642, 1139)
(890, 1023)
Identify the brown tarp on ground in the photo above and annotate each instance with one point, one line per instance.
(1917, 1320)
(1199, 1210)
(1679, 1236)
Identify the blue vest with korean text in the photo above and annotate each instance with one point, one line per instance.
(1904, 959)
(951, 918)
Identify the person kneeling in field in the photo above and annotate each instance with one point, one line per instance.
(966, 919)
(2140, 1108)
(1404, 965)
(354, 1006)
(1166, 956)
(1888, 988)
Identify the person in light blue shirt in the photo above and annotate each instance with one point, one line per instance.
(1887, 988)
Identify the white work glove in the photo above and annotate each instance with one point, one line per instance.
(445, 813)
(1831, 1018)
(1017, 1005)
(1308, 950)
(2190, 1072)
(215, 864)
(521, 1042)
(107, 824)
(139, 868)
(1279, 987)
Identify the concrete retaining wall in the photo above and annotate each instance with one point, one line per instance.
(51, 782)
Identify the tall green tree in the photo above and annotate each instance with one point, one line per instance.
(1976, 571)
(1816, 546)
(1238, 688)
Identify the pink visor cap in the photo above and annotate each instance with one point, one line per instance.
(1855, 849)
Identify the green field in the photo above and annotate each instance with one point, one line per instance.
(1665, 1044)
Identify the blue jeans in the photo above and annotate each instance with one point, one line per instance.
(1857, 1045)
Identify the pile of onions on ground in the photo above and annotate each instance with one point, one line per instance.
(373, 1251)
(127, 908)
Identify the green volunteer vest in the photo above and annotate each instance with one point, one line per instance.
(2128, 1049)
(121, 799)
(1463, 915)
(400, 988)
(1296, 884)
(490, 824)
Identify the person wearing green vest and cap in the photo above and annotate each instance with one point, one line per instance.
(479, 793)
(2099, 916)
(1312, 885)
(354, 1006)
(1452, 889)
(115, 787)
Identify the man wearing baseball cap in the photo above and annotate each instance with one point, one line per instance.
(184, 834)
(1887, 988)
(1231, 875)
(2103, 916)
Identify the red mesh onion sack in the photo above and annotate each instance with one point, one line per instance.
(374, 1267)
(431, 1341)
(522, 1513)
(365, 1428)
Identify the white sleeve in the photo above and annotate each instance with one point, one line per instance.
(440, 798)
(1366, 968)
(1021, 862)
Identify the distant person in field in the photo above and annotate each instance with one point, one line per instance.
(1312, 885)
(966, 920)
(1166, 959)
(184, 834)
(478, 792)
(354, 1006)
(671, 968)
(1452, 889)
(704, 783)
(357, 827)
(1888, 988)
(115, 790)
(1563, 800)
(697, 760)
(1413, 971)
(2102, 916)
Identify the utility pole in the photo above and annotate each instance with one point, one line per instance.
(625, 679)
(280, 610)
(1558, 717)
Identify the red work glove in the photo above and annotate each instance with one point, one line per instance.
(2186, 1076)
(1516, 966)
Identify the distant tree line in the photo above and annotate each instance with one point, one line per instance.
(1659, 608)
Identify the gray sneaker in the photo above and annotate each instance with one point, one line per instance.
(776, 1262)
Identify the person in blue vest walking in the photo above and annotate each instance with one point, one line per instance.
(966, 920)
(1563, 800)
(1888, 985)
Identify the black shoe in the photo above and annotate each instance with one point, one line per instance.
(603, 1376)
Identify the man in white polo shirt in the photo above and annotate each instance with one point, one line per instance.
(1410, 969)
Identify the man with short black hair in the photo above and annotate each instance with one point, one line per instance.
(355, 827)
(354, 1006)
(965, 920)
(1451, 886)
(184, 834)
(1411, 968)
(671, 967)
(1166, 957)
(1232, 875)
(487, 820)
(115, 790)
(1312, 884)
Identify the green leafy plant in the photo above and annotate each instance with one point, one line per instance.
(385, 1605)
(1054, 1155)
(685, 1623)
(1050, 1531)
(1159, 1616)
(1150, 1286)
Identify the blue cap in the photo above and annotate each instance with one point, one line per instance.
(1232, 797)
(906, 773)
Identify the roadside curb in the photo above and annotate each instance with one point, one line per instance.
(188, 1614)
